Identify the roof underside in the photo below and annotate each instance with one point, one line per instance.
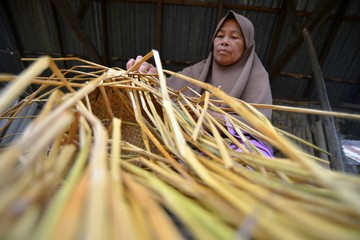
(112, 31)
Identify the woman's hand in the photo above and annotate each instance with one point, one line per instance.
(144, 67)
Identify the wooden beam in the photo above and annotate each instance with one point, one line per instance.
(158, 36)
(316, 72)
(337, 158)
(220, 8)
(353, 107)
(329, 39)
(234, 6)
(83, 8)
(104, 33)
(59, 42)
(309, 77)
(276, 35)
(291, 9)
(357, 98)
(321, 12)
(75, 25)
(210, 4)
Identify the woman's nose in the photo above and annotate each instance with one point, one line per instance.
(224, 42)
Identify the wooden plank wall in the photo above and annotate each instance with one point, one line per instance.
(304, 126)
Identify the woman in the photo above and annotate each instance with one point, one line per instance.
(232, 64)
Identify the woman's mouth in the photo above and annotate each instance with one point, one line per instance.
(222, 51)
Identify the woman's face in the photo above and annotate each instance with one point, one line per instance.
(229, 43)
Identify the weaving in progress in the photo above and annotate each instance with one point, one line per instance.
(116, 154)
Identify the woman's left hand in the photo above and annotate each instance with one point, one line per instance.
(144, 67)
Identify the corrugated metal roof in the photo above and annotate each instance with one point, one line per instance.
(343, 60)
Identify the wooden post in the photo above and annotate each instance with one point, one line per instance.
(337, 158)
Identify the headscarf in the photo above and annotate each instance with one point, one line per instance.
(246, 79)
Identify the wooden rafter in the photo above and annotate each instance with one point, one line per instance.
(159, 25)
(59, 42)
(220, 8)
(309, 77)
(104, 33)
(329, 39)
(83, 8)
(276, 35)
(357, 98)
(63, 7)
(287, 9)
(234, 6)
(321, 12)
(291, 9)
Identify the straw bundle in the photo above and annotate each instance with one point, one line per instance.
(81, 170)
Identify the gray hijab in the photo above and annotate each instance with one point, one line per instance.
(246, 79)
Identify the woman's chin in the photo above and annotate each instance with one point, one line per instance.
(223, 62)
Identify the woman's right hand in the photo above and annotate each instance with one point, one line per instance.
(144, 67)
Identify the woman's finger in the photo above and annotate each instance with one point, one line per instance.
(130, 63)
(152, 70)
(138, 59)
(144, 66)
